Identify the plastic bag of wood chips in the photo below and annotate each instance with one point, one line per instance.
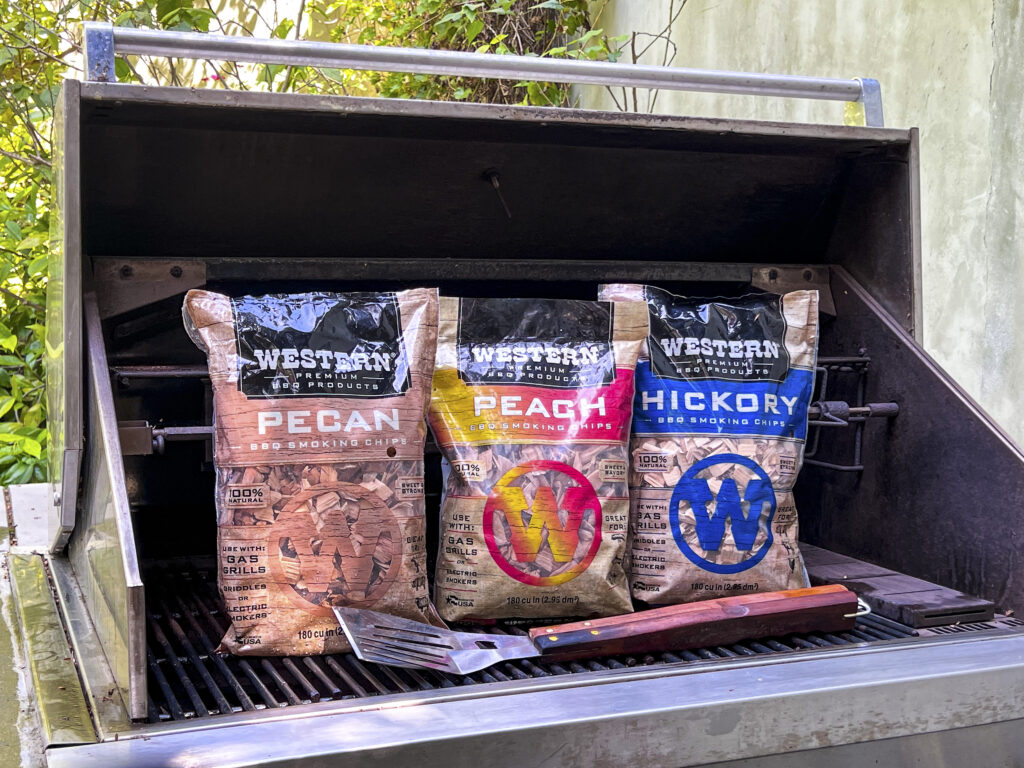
(720, 419)
(319, 403)
(531, 407)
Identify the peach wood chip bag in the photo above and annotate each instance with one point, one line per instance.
(531, 407)
(319, 403)
(720, 419)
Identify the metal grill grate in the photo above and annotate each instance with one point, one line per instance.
(187, 680)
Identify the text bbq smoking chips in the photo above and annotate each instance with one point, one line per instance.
(720, 420)
(531, 407)
(319, 401)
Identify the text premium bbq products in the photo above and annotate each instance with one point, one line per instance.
(531, 407)
(319, 402)
(720, 419)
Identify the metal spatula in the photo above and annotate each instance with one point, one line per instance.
(385, 639)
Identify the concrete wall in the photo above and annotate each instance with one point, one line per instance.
(951, 67)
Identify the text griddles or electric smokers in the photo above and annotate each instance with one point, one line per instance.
(531, 406)
(319, 405)
(720, 420)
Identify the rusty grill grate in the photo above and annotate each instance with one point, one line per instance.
(187, 680)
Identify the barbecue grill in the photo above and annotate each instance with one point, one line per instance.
(909, 494)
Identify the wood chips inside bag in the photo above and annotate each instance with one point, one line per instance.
(319, 403)
(720, 419)
(531, 407)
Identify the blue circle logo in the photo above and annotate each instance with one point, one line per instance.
(711, 526)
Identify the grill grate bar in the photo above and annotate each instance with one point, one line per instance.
(311, 693)
(188, 620)
(193, 657)
(208, 647)
(333, 691)
(172, 658)
(742, 650)
(397, 681)
(883, 624)
(280, 682)
(356, 688)
(157, 674)
(366, 674)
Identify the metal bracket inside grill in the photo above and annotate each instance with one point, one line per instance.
(828, 413)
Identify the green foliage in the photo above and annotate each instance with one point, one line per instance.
(40, 44)
(556, 28)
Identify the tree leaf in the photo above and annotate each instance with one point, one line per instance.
(281, 30)
(32, 241)
(474, 30)
(6, 403)
(31, 447)
(38, 266)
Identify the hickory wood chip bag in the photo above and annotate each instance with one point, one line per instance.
(531, 408)
(319, 405)
(720, 420)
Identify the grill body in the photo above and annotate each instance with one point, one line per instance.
(162, 189)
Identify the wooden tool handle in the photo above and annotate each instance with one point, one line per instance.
(709, 623)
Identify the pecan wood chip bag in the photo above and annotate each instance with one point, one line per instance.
(319, 401)
(720, 419)
(531, 407)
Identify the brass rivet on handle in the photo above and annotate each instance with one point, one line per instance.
(594, 632)
(553, 637)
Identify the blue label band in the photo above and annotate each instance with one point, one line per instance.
(711, 527)
(760, 408)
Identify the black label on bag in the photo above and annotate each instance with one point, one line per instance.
(562, 344)
(740, 339)
(320, 345)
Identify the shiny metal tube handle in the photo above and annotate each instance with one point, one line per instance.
(103, 41)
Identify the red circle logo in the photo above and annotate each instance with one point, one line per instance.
(542, 523)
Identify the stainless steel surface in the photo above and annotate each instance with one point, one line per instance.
(871, 98)
(102, 549)
(916, 315)
(64, 383)
(670, 718)
(1000, 745)
(57, 692)
(99, 52)
(125, 373)
(397, 642)
(139, 438)
(543, 270)
(122, 286)
(107, 40)
(786, 278)
(29, 513)
(136, 438)
(109, 710)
